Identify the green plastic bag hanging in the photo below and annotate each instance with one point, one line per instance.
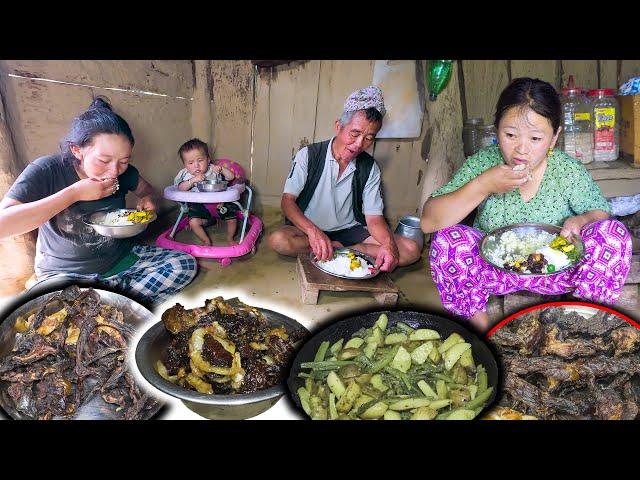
(438, 75)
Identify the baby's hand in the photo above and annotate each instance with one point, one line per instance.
(217, 168)
(199, 178)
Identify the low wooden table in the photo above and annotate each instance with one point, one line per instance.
(312, 280)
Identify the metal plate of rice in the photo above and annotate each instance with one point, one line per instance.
(524, 231)
(339, 251)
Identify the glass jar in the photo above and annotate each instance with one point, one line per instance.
(577, 130)
(606, 124)
(470, 136)
(488, 135)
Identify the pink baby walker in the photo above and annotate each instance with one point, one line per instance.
(232, 194)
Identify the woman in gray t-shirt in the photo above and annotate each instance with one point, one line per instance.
(91, 173)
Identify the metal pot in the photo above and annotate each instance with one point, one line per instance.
(212, 186)
(222, 407)
(409, 227)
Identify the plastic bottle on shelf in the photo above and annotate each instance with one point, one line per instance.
(606, 124)
(488, 135)
(470, 136)
(577, 130)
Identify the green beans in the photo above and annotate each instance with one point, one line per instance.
(322, 351)
(402, 376)
(326, 365)
(384, 361)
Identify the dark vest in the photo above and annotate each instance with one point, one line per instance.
(317, 156)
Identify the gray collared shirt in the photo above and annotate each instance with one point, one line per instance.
(331, 206)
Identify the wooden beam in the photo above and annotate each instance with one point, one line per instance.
(628, 69)
(542, 69)
(585, 73)
(442, 144)
(484, 80)
(608, 74)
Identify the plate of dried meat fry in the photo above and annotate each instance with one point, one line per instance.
(560, 365)
(65, 355)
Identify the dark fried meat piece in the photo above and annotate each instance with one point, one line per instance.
(177, 353)
(548, 365)
(177, 319)
(214, 353)
(40, 349)
(631, 400)
(580, 368)
(570, 348)
(260, 375)
(539, 401)
(609, 403)
(625, 339)
(281, 350)
(571, 322)
(239, 327)
(70, 293)
(526, 335)
(602, 366)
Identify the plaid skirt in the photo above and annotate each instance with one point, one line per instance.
(465, 281)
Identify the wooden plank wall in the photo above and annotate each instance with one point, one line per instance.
(298, 103)
(493, 76)
(442, 146)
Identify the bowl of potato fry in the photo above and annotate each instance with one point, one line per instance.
(394, 366)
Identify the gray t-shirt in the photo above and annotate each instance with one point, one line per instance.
(65, 243)
(331, 206)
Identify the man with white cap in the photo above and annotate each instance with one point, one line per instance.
(332, 196)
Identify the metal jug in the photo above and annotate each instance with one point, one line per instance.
(409, 227)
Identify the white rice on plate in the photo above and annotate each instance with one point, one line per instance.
(341, 265)
(512, 248)
(116, 219)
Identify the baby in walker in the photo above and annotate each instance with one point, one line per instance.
(197, 168)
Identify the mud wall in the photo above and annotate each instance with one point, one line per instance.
(41, 98)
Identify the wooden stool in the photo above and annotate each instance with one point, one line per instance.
(312, 280)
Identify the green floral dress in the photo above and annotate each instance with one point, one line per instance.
(567, 189)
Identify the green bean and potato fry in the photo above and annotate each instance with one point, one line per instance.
(395, 373)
